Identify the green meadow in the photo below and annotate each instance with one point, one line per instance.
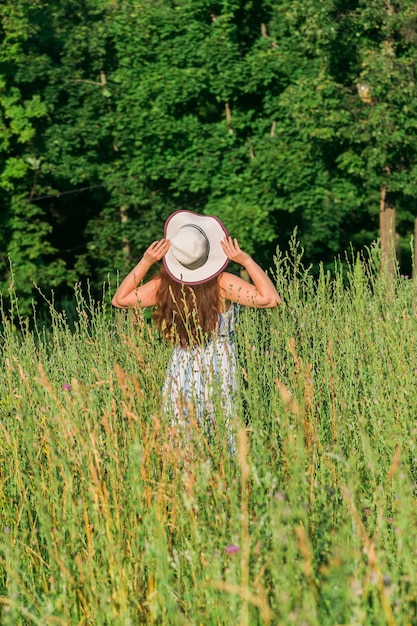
(109, 517)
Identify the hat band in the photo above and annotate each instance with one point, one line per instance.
(195, 265)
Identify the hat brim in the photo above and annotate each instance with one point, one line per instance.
(217, 259)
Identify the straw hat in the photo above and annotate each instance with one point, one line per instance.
(195, 254)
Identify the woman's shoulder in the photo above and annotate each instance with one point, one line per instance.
(225, 276)
(226, 279)
(231, 286)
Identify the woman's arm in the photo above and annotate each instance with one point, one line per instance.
(261, 294)
(130, 292)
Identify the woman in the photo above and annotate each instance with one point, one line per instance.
(194, 295)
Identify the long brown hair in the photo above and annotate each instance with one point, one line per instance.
(187, 314)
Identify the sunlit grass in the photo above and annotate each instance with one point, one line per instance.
(109, 517)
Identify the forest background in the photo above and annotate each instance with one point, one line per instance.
(273, 115)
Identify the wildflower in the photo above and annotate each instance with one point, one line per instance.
(66, 386)
(232, 548)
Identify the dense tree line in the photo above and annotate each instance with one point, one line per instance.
(271, 114)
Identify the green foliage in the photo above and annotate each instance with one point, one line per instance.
(271, 115)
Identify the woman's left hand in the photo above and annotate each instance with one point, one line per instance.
(156, 251)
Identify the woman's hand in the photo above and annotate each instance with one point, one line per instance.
(156, 251)
(130, 292)
(232, 250)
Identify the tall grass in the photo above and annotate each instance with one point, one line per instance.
(108, 518)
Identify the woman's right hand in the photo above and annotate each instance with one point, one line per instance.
(156, 251)
(261, 294)
(233, 252)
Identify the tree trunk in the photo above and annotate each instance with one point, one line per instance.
(415, 251)
(415, 268)
(387, 232)
(125, 242)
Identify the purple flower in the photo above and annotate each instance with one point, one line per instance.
(66, 386)
(232, 548)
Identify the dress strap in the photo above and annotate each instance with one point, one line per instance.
(227, 321)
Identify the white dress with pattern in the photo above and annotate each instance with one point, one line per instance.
(200, 381)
